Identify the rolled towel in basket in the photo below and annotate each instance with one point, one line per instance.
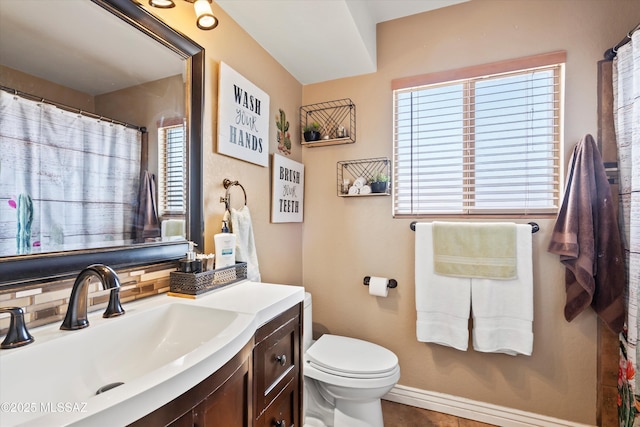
(359, 182)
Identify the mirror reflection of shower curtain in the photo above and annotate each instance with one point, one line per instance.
(626, 98)
(81, 173)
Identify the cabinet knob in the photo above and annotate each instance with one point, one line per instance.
(280, 423)
(282, 360)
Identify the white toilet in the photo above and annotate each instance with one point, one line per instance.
(344, 379)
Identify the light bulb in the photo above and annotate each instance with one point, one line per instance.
(204, 15)
(162, 4)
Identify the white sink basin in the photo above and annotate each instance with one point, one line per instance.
(54, 380)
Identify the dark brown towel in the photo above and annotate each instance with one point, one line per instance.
(147, 226)
(587, 238)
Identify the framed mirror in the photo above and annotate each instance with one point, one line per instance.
(134, 53)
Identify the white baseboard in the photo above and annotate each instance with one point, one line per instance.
(473, 410)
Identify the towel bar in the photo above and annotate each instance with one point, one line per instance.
(392, 282)
(534, 226)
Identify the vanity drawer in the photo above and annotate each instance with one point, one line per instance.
(276, 357)
(283, 412)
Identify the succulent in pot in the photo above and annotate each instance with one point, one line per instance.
(379, 182)
(311, 131)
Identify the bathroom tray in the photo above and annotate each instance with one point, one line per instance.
(190, 285)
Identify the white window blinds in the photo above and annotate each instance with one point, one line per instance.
(485, 144)
(172, 168)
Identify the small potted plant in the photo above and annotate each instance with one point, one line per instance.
(311, 132)
(379, 182)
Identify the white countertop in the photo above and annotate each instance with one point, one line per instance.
(263, 300)
(255, 304)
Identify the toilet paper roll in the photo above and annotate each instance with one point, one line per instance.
(378, 286)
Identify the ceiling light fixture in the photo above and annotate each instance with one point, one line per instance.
(204, 15)
(162, 4)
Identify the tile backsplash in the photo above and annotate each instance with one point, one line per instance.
(45, 303)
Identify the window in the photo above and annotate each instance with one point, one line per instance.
(172, 187)
(481, 140)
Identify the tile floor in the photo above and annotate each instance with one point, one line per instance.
(399, 415)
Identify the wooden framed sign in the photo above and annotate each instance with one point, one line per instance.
(287, 202)
(243, 118)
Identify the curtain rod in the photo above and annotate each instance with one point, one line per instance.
(612, 52)
(70, 109)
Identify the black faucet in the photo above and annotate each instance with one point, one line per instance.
(76, 317)
(17, 335)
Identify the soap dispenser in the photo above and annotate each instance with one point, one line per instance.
(225, 245)
(190, 264)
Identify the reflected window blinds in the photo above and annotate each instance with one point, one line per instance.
(172, 160)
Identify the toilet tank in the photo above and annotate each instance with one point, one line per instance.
(307, 326)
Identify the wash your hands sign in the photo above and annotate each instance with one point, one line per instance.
(243, 118)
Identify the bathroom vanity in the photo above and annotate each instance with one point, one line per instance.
(259, 386)
(232, 357)
(277, 371)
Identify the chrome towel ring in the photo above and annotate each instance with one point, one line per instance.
(227, 184)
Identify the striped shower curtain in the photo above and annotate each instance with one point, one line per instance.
(67, 181)
(626, 92)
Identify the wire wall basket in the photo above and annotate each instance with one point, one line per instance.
(363, 172)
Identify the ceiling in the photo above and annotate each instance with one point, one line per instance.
(79, 45)
(321, 40)
(315, 40)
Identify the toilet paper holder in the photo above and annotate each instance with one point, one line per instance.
(392, 282)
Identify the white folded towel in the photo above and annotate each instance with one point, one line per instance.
(242, 227)
(442, 302)
(365, 189)
(503, 309)
(359, 182)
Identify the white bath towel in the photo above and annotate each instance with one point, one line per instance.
(442, 302)
(242, 227)
(503, 309)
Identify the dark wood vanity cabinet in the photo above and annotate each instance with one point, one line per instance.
(276, 371)
(223, 398)
(259, 386)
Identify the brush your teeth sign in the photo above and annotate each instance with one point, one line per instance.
(288, 190)
(243, 118)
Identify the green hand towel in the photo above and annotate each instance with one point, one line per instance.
(482, 250)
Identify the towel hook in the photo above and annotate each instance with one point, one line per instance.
(227, 184)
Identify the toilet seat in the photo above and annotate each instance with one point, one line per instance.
(351, 358)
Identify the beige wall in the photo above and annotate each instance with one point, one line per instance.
(279, 245)
(346, 239)
(33, 85)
